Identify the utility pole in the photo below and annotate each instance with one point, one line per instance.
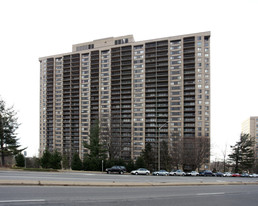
(159, 143)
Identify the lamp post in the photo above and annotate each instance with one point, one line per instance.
(159, 143)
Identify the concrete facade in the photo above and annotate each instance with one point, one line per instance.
(139, 92)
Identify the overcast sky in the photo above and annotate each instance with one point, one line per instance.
(36, 28)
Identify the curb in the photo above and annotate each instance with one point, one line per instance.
(117, 184)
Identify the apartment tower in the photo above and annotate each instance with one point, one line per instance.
(139, 92)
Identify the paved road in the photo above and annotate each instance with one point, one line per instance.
(129, 196)
(83, 177)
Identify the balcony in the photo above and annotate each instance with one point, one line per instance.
(189, 99)
(189, 103)
(113, 64)
(126, 63)
(189, 125)
(186, 56)
(162, 48)
(150, 80)
(189, 114)
(189, 119)
(123, 54)
(150, 45)
(189, 61)
(115, 54)
(189, 45)
(189, 88)
(162, 53)
(189, 83)
(189, 72)
(127, 58)
(188, 51)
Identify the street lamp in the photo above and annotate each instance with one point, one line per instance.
(159, 143)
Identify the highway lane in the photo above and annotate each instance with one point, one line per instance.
(128, 196)
(98, 177)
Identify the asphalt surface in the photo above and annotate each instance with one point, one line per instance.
(13, 177)
(223, 195)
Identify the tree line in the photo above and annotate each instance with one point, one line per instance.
(189, 153)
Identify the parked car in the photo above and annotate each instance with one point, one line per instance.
(140, 171)
(116, 169)
(236, 175)
(253, 175)
(161, 173)
(205, 173)
(219, 174)
(177, 173)
(227, 174)
(244, 175)
(192, 173)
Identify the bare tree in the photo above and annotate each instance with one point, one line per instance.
(165, 156)
(110, 136)
(177, 152)
(224, 154)
(196, 152)
(202, 151)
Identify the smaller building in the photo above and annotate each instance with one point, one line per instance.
(250, 126)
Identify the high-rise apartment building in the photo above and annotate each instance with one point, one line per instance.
(139, 92)
(250, 126)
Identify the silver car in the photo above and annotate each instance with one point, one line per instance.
(140, 171)
(161, 173)
(177, 173)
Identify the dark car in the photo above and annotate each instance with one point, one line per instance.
(116, 169)
(205, 173)
(219, 174)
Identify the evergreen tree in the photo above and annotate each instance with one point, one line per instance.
(92, 164)
(45, 159)
(8, 125)
(76, 162)
(243, 153)
(20, 160)
(139, 163)
(55, 160)
(97, 153)
(66, 164)
(130, 166)
(148, 157)
(95, 147)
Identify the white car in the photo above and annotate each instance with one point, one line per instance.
(177, 173)
(253, 175)
(140, 171)
(227, 174)
(193, 173)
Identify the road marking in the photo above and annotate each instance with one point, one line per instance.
(10, 201)
(214, 193)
